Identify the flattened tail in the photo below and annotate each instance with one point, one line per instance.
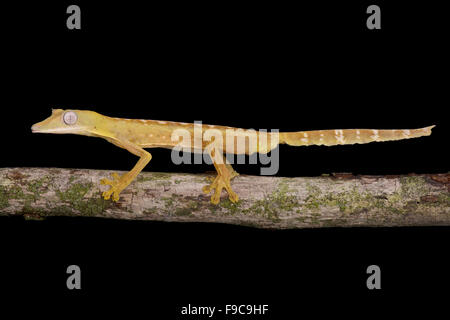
(350, 136)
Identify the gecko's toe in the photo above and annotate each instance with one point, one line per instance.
(210, 179)
(115, 180)
(115, 176)
(233, 175)
(206, 189)
(115, 197)
(112, 194)
(233, 196)
(220, 183)
(106, 195)
(215, 198)
(105, 181)
(115, 189)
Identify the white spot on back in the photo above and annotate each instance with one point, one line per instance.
(304, 140)
(340, 139)
(339, 136)
(162, 122)
(305, 134)
(375, 135)
(406, 132)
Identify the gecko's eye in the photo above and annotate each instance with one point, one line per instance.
(70, 117)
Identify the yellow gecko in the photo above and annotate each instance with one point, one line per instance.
(134, 135)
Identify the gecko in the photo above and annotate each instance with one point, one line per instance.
(135, 135)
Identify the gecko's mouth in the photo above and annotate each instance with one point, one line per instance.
(37, 129)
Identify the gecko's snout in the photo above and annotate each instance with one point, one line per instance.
(34, 128)
(37, 128)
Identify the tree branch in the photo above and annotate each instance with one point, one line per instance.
(340, 200)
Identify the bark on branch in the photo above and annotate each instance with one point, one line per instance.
(268, 202)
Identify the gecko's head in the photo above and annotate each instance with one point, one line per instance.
(68, 121)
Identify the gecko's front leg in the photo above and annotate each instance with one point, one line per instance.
(121, 182)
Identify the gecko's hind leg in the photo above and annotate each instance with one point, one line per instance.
(224, 176)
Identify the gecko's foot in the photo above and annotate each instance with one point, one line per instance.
(218, 184)
(116, 187)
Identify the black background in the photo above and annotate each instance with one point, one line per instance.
(251, 65)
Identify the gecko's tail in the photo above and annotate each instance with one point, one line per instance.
(349, 136)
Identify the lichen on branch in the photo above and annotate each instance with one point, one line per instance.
(267, 202)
